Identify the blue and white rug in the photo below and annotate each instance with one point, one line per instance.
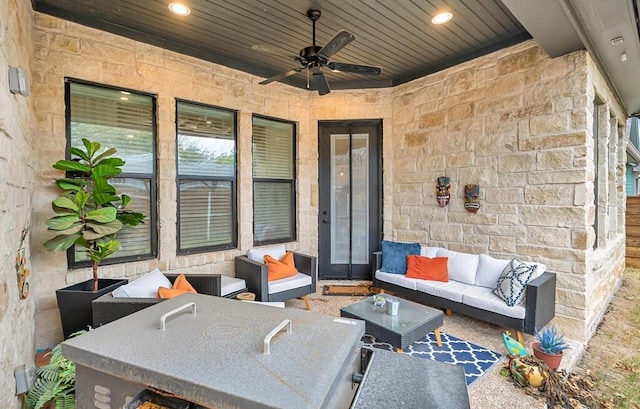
(475, 359)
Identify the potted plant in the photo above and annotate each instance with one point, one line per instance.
(55, 384)
(89, 214)
(549, 346)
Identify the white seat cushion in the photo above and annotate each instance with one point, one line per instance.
(489, 270)
(452, 290)
(277, 304)
(462, 266)
(284, 284)
(276, 251)
(483, 298)
(144, 287)
(231, 285)
(397, 279)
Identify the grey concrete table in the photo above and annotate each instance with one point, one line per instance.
(214, 355)
(412, 322)
(401, 381)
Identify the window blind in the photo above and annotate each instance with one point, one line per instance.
(123, 120)
(206, 149)
(273, 150)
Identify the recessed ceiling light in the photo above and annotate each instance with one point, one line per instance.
(179, 9)
(442, 18)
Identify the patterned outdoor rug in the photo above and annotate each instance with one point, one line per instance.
(475, 359)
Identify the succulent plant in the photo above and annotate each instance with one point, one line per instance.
(550, 340)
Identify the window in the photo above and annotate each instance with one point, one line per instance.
(274, 209)
(206, 159)
(124, 120)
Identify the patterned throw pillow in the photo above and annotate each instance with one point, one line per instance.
(513, 282)
(394, 256)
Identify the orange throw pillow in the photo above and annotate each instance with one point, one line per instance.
(180, 286)
(283, 268)
(434, 269)
(181, 283)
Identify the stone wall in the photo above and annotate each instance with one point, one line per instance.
(64, 49)
(16, 193)
(519, 124)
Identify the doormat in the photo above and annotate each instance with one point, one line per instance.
(475, 359)
(352, 290)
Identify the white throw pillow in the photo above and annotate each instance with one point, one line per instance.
(513, 282)
(489, 270)
(462, 266)
(257, 254)
(144, 287)
(429, 251)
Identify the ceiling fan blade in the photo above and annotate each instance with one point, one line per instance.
(336, 44)
(357, 69)
(320, 81)
(280, 76)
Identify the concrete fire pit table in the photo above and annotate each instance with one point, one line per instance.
(215, 356)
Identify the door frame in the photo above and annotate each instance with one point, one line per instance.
(378, 189)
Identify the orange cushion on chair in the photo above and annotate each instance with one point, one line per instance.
(180, 286)
(426, 268)
(283, 268)
(181, 283)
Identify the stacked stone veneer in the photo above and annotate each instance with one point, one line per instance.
(519, 124)
(17, 158)
(515, 122)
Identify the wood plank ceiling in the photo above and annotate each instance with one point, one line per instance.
(263, 37)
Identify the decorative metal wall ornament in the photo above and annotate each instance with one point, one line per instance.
(442, 190)
(471, 195)
(22, 271)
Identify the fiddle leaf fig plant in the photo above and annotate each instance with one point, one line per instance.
(89, 212)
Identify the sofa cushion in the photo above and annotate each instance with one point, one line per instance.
(394, 256)
(257, 254)
(452, 290)
(489, 270)
(397, 279)
(144, 287)
(462, 266)
(485, 299)
(429, 251)
(284, 284)
(513, 281)
(427, 268)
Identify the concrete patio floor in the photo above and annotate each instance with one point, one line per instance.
(492, 390)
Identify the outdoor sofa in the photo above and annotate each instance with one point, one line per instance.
(470, 290)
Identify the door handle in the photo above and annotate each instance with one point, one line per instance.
(325, 221)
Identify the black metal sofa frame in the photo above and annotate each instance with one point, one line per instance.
(540, 303)
(108, 308)
(255, 275)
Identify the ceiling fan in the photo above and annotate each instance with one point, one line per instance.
(314, 57)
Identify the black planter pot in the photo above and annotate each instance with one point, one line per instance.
(74, 303)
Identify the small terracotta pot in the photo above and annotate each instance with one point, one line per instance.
(552, 360)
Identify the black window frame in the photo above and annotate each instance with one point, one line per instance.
(292, 182)
(233, 180)
(152, 177)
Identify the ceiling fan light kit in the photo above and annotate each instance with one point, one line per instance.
(314, 57)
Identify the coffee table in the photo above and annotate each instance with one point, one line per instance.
(412, 322)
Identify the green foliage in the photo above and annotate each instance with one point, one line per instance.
(89, 212)
(550, 340)
(54, 382)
